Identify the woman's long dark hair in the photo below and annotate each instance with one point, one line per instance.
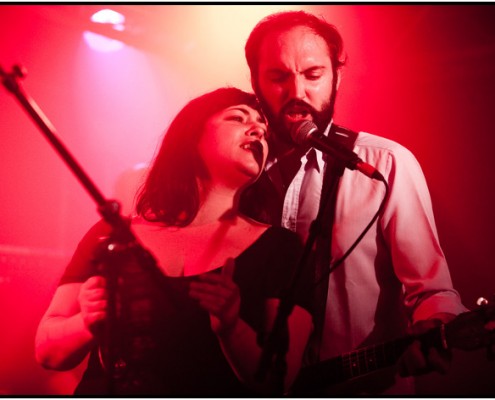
(170, 194)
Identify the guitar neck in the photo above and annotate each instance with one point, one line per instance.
(350, 365)
(369, 359)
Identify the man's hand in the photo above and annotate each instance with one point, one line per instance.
(418, 361)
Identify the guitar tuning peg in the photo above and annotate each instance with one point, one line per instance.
(481, 301)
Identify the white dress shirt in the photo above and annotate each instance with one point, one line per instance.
(398, 272)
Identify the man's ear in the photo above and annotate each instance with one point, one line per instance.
(339, 76)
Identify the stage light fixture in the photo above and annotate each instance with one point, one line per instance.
(105, 20)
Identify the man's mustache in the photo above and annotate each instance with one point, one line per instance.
(299, 104)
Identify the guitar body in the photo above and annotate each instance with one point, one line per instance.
(384, 382)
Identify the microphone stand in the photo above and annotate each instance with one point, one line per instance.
(276, 345)
(122, 238)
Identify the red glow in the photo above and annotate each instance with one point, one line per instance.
(421, 75)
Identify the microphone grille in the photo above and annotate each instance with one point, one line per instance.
(301, 131)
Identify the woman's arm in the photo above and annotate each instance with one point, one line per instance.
(66, 332)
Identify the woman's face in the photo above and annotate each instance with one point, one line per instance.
(233, 145)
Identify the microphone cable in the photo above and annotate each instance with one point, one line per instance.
(339, 262)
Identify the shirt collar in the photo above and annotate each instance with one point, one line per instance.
(320, 157)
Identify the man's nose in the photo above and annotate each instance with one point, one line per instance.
(297, 88)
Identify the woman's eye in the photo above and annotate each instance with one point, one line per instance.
(237, 118)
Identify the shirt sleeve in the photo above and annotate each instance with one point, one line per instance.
(410, 231)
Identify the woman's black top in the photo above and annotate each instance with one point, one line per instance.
(162, 341)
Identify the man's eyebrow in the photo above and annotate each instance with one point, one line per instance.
(314, 68)
(280, 70)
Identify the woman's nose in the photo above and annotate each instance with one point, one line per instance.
(256, 130)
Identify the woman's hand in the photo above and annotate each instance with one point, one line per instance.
(93, 301)
(219, 295)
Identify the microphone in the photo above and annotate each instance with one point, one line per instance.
(306, 132)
